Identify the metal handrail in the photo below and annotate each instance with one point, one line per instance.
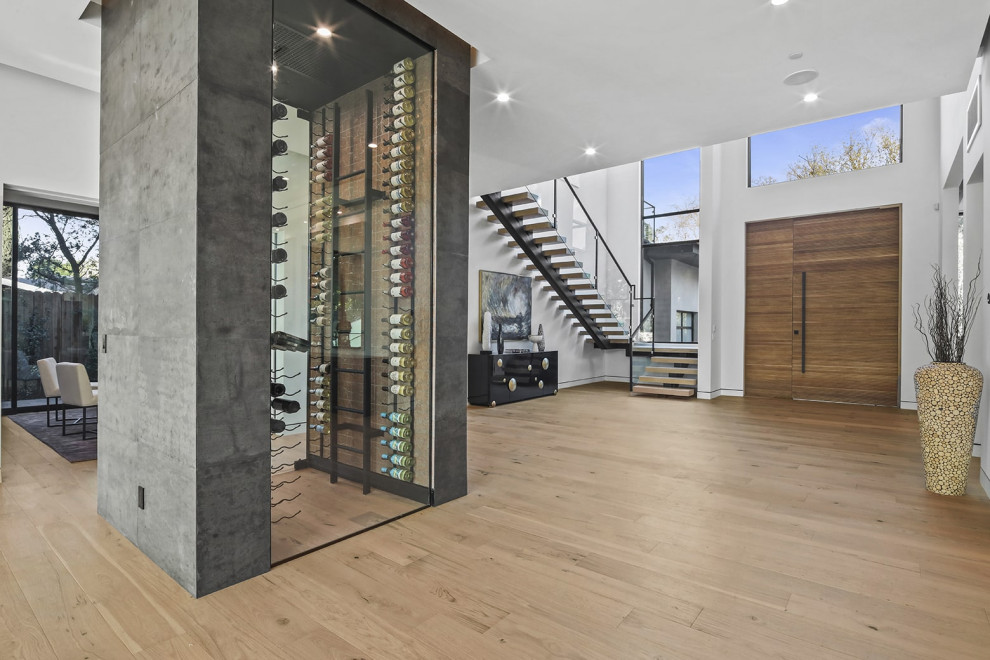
(598, 234)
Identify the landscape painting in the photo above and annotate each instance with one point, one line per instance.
(510, 300)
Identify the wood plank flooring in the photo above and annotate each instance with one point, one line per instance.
(598, 525)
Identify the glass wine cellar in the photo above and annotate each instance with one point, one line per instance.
(351, 267)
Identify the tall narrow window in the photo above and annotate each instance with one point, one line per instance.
(671, 197)
(856, 142)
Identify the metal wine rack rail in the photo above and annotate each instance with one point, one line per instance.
(278, 376)
(331, 355)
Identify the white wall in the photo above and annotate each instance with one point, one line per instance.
(49, 135)
(683, 291)
(959, 164)
(728, 204)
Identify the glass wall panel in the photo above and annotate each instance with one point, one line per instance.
(352, 258)
(50, 297)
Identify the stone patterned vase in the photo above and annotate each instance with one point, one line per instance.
(948, 405)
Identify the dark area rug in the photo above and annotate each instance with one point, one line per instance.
(70, 447)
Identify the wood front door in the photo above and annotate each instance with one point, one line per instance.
(840, 305)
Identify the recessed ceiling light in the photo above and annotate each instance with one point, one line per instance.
(503, 97)
(323, 32)
(372, 145)
(590, 151)
(777, 3)
(810, 97)
(274, 68)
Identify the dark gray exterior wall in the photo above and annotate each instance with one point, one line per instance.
(184, 183)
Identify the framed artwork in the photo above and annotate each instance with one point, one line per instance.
(509, 298)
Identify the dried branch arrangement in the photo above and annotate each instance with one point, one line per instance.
(949, 315)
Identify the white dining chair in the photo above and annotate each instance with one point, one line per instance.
(49, 383)
(77, 392)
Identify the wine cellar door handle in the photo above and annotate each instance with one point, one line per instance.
(804, 316)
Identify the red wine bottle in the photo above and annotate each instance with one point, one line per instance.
(401, 277)
(279, 111)
(325, 141)
(280, 183)
(279, 219)
(278, 292)
(285, 405)
(280, 147)
(278, 389)
(277, 425)
(401, 263)
(398, 250)
(279, 256)
(404, 235)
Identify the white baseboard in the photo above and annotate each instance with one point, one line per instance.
(985, 481)
(714, 394)
(616, 379)
(909, 405)
(579, 381)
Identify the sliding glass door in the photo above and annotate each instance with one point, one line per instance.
(50, 271)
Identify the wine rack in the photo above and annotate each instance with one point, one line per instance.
(283, 402)
(369, 348)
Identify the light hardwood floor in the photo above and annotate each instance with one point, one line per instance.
(598, 525)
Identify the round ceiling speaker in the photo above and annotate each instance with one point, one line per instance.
(801, 77)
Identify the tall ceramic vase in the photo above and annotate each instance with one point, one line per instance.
(948, 405)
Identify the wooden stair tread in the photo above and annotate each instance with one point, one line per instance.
(666, 391)
(670, 359)
(661, 380)
(541, 240)
(693, 351)
(547, 252)
(672, 370)
(533, 226)
(514, 198)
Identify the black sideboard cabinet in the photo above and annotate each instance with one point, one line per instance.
(508, 377)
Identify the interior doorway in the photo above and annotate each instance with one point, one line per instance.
(823, 307)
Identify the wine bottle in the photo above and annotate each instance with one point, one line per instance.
(400, 319)
(400, 376)
(322, 321)
(277, 425)
(324, 154)
(279, 219)
(398, 445)
(285, 405)
(320, 392)
(323, 166)
(402, 222)
(404, 235)
(323, 177)
(320, 428)
(400, 390)
(401, 262)
(399, 81)
(322, 237)
(321, 404)
(319, 310)
(325, 201)
(397, 431)
(403, 121)
(400, 179)
(398, 250)
(400, 291)
(324, 272)
(401, 474)
(403, 135)
(279, 256)
(278, 389)
(325, 285)
(397, 418)
(404, 277)
(400, 460)
(400, 347)
(401, 94)
(283, 341)
(279, 111)
(279, 292)
(400, 150)
(280, 147)
(321, 416)
(400, 165)
(322, 368)
(325, 141)
(280, 183)
(403, 65)
(401, 361)
(405, 206)
(400, 333)
(402, 192)
(326, 296)
(401, 108)
(320, 380)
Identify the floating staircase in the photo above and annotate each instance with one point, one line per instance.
(534, 237)
(667, 371)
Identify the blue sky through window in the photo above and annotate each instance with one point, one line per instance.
(672, 182)
(771, 153)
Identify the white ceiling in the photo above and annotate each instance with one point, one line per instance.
(633, 78)
(46, 37)
(638, 78)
